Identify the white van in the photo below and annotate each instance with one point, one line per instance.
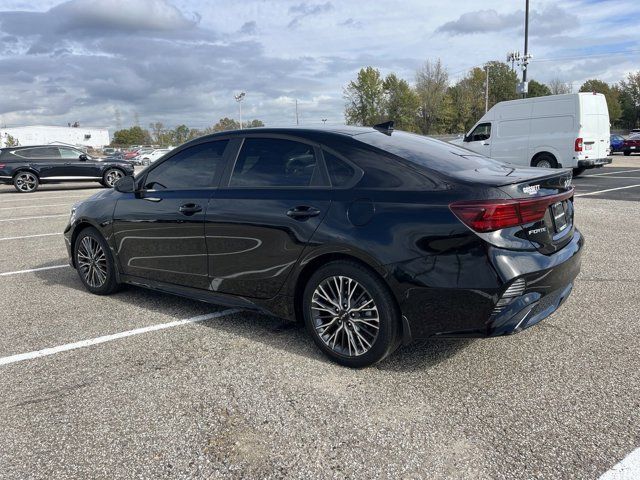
(556, 131)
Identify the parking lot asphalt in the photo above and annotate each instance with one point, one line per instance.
(244, 395)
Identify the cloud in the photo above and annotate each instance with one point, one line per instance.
(550, 20)
(304, 10)
(350, 22)
(249, 28)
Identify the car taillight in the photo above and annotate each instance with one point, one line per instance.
(490, 215)
(2, 165)
(578, 145)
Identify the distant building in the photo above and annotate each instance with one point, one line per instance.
(43, 135)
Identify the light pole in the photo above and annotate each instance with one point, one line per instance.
(486, 89)
(324, 121)
(526, 50)
(239, 99)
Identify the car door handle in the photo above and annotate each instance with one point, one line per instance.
(303, 212)
(485, 143)
(190, 208)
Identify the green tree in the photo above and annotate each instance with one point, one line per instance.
(10, 141)
(131, 136)
(630, 100)
(365, 98)
(467, 97)
(224, 124)
(180, 134)
(502, 82)
(432, 82)
(255, 123)
(401, 103)
(537, 89)
(612, 96)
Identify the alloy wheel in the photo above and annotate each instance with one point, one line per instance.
(26, 182)
(92, 262)
(112, 176)
(345, 316)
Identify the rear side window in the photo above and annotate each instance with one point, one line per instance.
(192, 168)
(38, 152)
(340, 172)
(428, 152)
(274, 162)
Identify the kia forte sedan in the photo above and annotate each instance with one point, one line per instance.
(371, 237)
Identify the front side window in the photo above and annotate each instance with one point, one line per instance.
(192, 168)
(69, 153)
(273, 162)
(481, 132)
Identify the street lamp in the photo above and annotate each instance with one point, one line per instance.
(324, 121)
(239, 99)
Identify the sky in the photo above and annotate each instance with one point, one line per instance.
(115, 63)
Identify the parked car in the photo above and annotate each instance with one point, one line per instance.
(616, 142)
(631, 144)
(557, 131)
(150, 157)
(27, 167)
(371, 237)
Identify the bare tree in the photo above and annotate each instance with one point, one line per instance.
(559, 87)
(432, 81)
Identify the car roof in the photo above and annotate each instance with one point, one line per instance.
(343, 130)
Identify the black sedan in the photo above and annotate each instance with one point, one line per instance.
(27, 167)
(371, 237)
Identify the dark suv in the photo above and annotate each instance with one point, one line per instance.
(27, 167)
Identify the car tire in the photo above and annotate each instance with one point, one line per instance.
(354, 335)
(26, 182)
(578, 171)
(94, 262)
(111, 176)
(627, 153)
(545, 160)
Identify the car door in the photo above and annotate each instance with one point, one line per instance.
(45, 160)
(479, 140)
(159, 230)
(271, 200)
(76, 167)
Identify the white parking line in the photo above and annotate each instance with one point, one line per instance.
(612, 173)
(627, 469)
(108, 338)
(36, 206)
(29, 197)
(4, 239)
(604, 191)
(32, 218)
(17, 272)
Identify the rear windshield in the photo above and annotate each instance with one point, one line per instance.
(427, 152)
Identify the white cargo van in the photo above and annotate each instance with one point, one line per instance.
(556, 131)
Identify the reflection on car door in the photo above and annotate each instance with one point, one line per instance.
(259, 223)
(74, 167)
(159, 232)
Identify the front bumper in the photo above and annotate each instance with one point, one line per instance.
(594, 162)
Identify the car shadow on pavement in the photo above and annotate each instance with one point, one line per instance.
(9, 190)
(254, 326)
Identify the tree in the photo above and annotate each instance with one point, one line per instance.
(537, 89)
(365, 98)
(157, 129)
(180, 134)
(612, 96)
(559, 87)
(502, 82)
(255, 123)
(401, 103)
(10, 141)
(225, 124)
(467, 97)
(630, 100)
(432, 82)
(131, 136)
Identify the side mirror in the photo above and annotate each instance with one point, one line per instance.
(126, 184)
(83, 157)
(466, 139)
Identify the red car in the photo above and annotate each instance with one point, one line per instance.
(631, 144)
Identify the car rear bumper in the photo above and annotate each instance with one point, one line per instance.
(594, 162)
(531, 286)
